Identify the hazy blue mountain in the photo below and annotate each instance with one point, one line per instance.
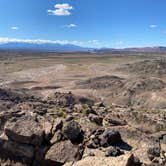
(136, 49)
(71, 47)
(43, 46)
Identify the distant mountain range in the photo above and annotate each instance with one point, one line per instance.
(134, 49)
(71, 47)
(42, 46)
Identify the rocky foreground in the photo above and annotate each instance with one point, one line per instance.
(65, 129)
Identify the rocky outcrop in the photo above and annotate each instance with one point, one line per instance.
(25, 130)
(110, 137)
(104, 138)
(68, 99)
(72, 131)
(80, 134)
(17, 96)
(16, 151)
(63, 152)
(133, 161)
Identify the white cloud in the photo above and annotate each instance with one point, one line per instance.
(70, 26)
(61, 10)
(65, 6)
(4, 40)
(153, 26)
(14, 28)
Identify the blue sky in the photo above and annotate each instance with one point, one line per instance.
(90, 23)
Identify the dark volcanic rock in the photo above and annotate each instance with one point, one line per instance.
(25, 130)
(68, 100)
(93, 144)
(89, 110)
(40, 153)
(94, 141)
(96, 119)
(115, 121)
(16, 151)
(72, 131)
(62, 152)
(58, 124)
(16, 95)
(35, 134)
(153, 152)
(110, 137)
(114, 152)
(101, 138)
(133, 161)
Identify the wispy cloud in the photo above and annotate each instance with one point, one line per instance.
(36, 41)
(14, 28)
(153, 26)
(61, 10)
(70, 26)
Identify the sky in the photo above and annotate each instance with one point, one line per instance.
(88, 23)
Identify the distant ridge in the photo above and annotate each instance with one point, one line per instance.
(133, 49)
(72, 47)
(41, 46)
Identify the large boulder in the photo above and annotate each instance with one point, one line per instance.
(110, 137)
(58, 136)
(40, 153)
(62, 152)
(133, 161)
(16, 151)
(46, 127)
(107, 138)
(98, 160)
(72, 131)
(25, 130)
